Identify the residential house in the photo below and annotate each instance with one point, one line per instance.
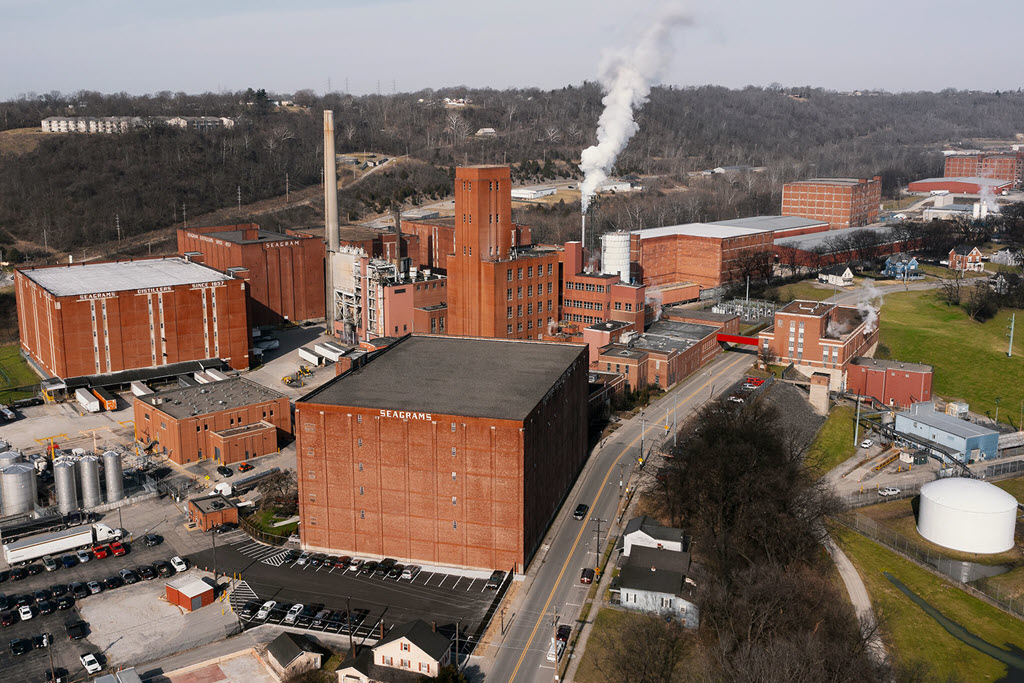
(966, 258)
(1004, 283)
(644, 532)
(408, 652)
(1008, 256)
(656, 581)
(839, 275)
(291, 653)
(901, 266)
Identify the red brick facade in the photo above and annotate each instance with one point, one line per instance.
(842, 202)
(1008, 166)
(707, 261)
(966, 259)
(957, 185)
(590, 298)
(104, 332)
(285, 272)
(890, 382)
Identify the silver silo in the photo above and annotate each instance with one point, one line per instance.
(10, 457)
(4, 445)
(114, 476)
(66, 481)
(18, 484)
(89, 474)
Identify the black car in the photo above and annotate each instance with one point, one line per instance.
(45, 607)
(5, 603)
(112, 582)
(224, 528)
(18, 573)
(563, 632)
(151, 540)
(7, 618)
(396, 571)
(23, 600)
(129, 577)
(41, 594)
(494, 583)
(79, 590)
(163, 568)
(56, 676)
(249, 609)
(225, 471)
(292, 555)
(59, 589)
(369, 567)
(42, 640)
(581, 511)
(307, 614)
(34, 569)
(65, 602)
(20, 646)
(76, 629)
(146, 572)
(4, 575)
(317, 559)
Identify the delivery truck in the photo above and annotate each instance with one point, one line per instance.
(310, 356)
(331, 352)
(107, 399)
(57, 542)
(87, 400)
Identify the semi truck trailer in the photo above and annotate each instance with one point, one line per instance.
(57, 542)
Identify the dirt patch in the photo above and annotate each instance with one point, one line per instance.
(494, 629)
(18, 141)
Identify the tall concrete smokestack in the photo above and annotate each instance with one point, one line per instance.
(330, 185)
(331, 233)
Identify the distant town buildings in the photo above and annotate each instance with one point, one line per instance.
(1004, 166)
(842, 202)
(962, 184)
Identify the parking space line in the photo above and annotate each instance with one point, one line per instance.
(444, 576)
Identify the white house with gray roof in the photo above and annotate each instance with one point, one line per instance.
(644, 532)
(657, 581)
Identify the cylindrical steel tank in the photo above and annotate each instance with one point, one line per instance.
(10, 457)
(65, 479)
(114, 476)
(615, 255)
(4, 445)
(969, 515)
(18, 486)
(89, 474)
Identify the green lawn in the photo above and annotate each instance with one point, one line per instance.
(969, 357)
(945, 273)
(607, 625)
(14, 371)
(1015, 487)
(913, 636)
(834, 442)
(806, 289)
(264, 520)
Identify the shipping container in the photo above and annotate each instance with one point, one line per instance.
(87, 400)
(310, 356)
(202, 378)
(140, 389)
(107, 399)
(216, 375)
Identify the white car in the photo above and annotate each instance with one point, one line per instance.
(265, 610)
(889, 491)
(89, 662)
(293, 614)
(83, 556)
(867, 443)
(355, 566)
(179, 564)
(410, 572)
(303, 559)
(25, 612)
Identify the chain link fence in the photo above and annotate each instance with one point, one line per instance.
(260, 535)
(959, 572)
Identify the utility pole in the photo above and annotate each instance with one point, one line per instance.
(597, 541)
(998, 399)
(554, 639)
(286, 189)
(503, 609)
(184, 216)
(622, 466)
(214, 537)
(239, 197)
(117, 224)
(643, 429)
(348, 617)
(1009, 351)
(458, 627)
(856, 423)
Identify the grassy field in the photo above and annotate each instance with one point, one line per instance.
(807, 289)
(969, 357)
(834, 442)
(913, 636)
(265, 519)
(1015, 487)
(15, 372)
(945, 273)
(19, 141)
(607, 624)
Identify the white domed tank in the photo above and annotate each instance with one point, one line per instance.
(968, 515)
(18, 483)
(615, 255)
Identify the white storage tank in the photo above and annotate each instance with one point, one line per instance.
(114, 476)
(18, 484)
(968, 515)
(66, 480)
(89, 475)
(615, 255)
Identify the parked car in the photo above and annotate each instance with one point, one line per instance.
(101, 551)
(497, 576)
(264, 611)
(163, 568)
(179, 564)
(225, 471)
(49, 564)
(94, 587)
(293, 614)
(112, 582)
(563, 632)
(246, 467)
(56, 675)
(151, 540)
(20, 646)
(5, 603)
(396, 571)
(91, 664)
(321, 617)
(587, 575)
(34, 569)
(23, 600)
(42, 640)
(356, 565)
(307, 614)
(888, 491)
(18, 573)
(7, 618)
(68, 561)
(59, 589)
(129, 577)
(317, 559)
(146, 572)
(369, 567)
(83, 556)
(581, 511)
(75, 629)
(225, 528)
(79, 590)
(302, 560)
(867, 443)
(25, 612)
(40, 595)
(117, 548)
(65, 602)
(45, 607)
(410, 572)
(342, 562)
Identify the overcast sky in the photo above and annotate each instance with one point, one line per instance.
(209, 45)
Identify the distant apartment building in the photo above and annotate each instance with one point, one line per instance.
(1005, 166)
(200, 124)
(123, 124)
(842, 202)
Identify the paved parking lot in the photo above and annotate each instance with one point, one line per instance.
(445, 599)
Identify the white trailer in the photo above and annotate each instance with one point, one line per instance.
(216, 375)
(310, 356)
(202, 378)
(87, 400)
(331, 352)
(57, 542)
(140, 389)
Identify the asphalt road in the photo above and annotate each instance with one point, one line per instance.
(443, 598)
(570, 544)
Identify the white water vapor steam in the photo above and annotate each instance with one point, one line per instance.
(868, 304)
(626, 77)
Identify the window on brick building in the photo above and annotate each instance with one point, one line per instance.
(529, 291)
(519, 292)
(519, 327)
(360, 443)
(508, 329)
(529, 309)
(453, 450)
(529, 272)
(312, 474)
(455, 525)
(453, 476)
(509, 312)
(360, 490)
(360, 467)
(509, 275)
(529, 324)
(629, 307)
(454, 499)
(312, 521)
(362, 514)
(618, 305)
(519, 273)
(453, 426)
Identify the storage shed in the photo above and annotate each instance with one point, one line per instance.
(190, 592)
(210, 512)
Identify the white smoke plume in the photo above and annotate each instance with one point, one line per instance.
(868, 304)
(988, 200)
(626, 77)
(654, 300)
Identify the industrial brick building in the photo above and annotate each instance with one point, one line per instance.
(100, 318)
(667, 353)
(498, 286)
(705, 254)
(284, 271)
(842, 202)
(962, 185)
(227, 421)
(819, 338)
(435, 239)
(838, 246)
(891, 382)
(1005, 166)
(589, 297)
(780, 226)
(726, 323)
(443, 451)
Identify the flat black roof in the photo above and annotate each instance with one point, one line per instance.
(495, 378)
(201, 399)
